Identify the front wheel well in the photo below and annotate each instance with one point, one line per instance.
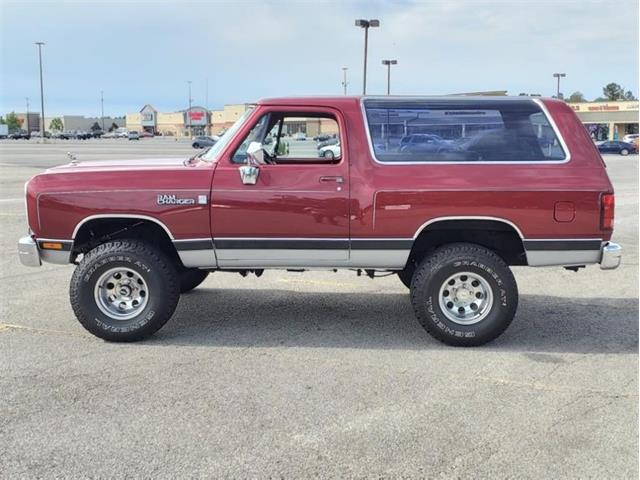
(100, 230)
(499, 237)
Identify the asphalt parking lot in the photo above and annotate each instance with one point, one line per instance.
(325, 374)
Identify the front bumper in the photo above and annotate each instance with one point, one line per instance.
(611, 256)
(28, 252)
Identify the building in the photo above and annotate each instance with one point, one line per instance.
(30, 122)
(608, 120)
(196, 121)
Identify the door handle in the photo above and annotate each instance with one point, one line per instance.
(331, 179)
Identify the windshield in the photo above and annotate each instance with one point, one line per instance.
(220, 145)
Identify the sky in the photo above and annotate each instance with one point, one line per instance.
(141, 52)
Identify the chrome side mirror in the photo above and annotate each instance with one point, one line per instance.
(255, 156)
(249, 174)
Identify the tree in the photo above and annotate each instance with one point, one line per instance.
(114, 126)
(613, 92)
(95, 127)
(629, 95)
(12, 121)
(56, 125)
(576, 97)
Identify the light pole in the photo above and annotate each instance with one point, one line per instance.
(189, 111)
(388, 63)
(558, 76)
(40, 44)
(366, 24)
(28, 131)
(102, 109)
(344, 79)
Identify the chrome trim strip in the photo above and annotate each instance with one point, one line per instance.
(198, 258)
(60, 257)
(566, 258)
(120, 215)
(444, 219)
(461, 100)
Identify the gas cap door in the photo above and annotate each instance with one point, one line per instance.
(564, 212)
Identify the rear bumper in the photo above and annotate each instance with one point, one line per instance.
(611, 256)
(28, 252)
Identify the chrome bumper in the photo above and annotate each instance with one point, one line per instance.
(28, 252)
(611, 256)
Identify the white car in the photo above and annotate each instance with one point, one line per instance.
(330, 152)
(300, 136)
(630, 138)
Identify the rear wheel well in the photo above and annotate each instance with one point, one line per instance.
(497, 236)
(100, 230)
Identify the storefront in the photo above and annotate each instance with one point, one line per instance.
(197, 121)
(608, 120)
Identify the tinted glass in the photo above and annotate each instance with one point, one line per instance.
(461, 131)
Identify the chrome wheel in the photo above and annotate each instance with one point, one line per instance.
(121, 293)
(465, 298)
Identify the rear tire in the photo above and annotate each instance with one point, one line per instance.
(624, 152)
(123, 291)
(464, 294)
(190, 278)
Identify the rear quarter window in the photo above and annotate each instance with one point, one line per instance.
(462, 131)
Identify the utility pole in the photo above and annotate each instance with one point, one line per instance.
(189, 111)
(366, 24)
(206, 93)
(558, 76)
(344, 79)
(388, 63)
(40, 44)
(28, 131)
(102, 109)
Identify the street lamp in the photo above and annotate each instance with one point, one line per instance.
(344, 79)
(189, 111)
(366, 24)
(40, 44)
(388, 63)
(102, 109)
(28, 129)
(558, 76)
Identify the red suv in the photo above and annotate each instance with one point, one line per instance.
(486, 183)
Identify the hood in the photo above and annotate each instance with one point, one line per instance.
(132, 164)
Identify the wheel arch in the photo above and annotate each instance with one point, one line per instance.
(95, 229)
(500, 235)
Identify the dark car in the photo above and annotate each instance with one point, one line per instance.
(614, 146)
(19, 135)
(203, 142)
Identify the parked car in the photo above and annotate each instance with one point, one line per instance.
(96, 133)
(630, 138)
(81, 135)
(145, 134)
(36, 134)
(322, 137)
(421, 142)
(615, 146)
(449, 230)
(122, 132)
(109, 135)
(203, 141)
(19, 135)
(300, 136)
(133, 135)
(328, 141)
(330, 152)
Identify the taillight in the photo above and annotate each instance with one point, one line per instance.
(607, 207)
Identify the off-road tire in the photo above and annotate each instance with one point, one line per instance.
(151, 264)
(190, 278)
(433, 272)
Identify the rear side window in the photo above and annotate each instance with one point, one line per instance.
(462, 131)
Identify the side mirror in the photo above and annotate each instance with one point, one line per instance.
(255, 154)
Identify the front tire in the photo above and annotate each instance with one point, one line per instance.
(624, 152)
(124, 291)
(464, 295)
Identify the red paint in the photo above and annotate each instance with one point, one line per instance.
(386, 201)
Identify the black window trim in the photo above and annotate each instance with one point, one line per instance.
(411, 101)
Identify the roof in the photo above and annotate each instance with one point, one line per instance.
(350, 99)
